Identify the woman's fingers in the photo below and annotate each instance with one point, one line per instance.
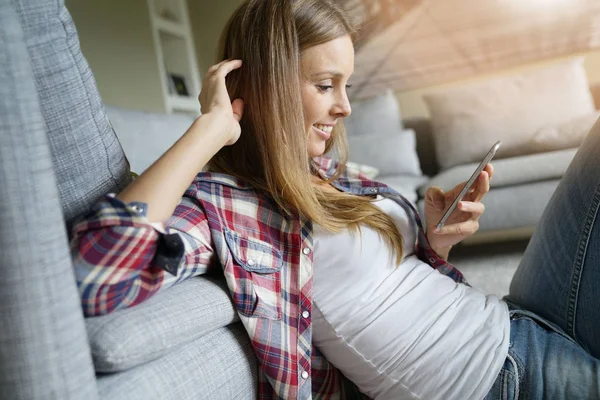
(475, 208)
(436, 196)
(466, 228)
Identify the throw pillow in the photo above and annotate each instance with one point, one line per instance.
(392, 153)
(468, 120)
(375, 114)
(566, 135)
(367, 170)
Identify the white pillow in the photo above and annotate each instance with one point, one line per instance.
(392, 153)
(566, 135)
(468, 120)
(367, 170)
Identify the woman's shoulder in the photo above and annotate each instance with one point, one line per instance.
(205, 179)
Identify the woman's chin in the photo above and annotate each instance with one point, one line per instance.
(316, 150)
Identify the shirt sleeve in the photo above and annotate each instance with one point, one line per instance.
(121, 259)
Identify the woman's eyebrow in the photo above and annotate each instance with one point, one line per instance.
(329, 73)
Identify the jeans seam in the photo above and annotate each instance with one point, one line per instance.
(510, 358)
(578, 265)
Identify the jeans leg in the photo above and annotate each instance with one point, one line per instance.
(559, 276)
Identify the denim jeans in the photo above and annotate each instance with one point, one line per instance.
(555, 294)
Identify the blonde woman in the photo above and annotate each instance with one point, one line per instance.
(314, 254)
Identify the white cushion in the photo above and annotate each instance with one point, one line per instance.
(367, 170)
(468, 120)
(566, 135)
(392, 153)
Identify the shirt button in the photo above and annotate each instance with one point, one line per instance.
(306, 250)
(304, 375)
(305, 314)
(251, 262)
(431, 259)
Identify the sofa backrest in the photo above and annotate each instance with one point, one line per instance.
(44, 351)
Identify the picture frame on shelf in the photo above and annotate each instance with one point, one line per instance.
(177, 85)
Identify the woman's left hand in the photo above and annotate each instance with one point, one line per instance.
(464, 220)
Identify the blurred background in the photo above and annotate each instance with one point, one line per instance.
(436, 83)
(411, 46)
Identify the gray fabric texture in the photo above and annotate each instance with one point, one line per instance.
(219, 366)
(88, 160)
(376, 114)
(43, 344)
(181, 314)
(146, 136)
(392, 152)
(510, 171)
(510, 207)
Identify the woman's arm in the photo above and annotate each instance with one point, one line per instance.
(122, 250)
(162, 185)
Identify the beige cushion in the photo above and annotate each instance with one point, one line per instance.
(566, 135)
(469, 119)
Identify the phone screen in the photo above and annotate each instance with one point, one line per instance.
(469, 183)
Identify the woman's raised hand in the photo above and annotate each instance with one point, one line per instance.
(214, 100)
(464, 221)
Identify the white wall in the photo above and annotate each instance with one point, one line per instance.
(208, 18)
(116, 39)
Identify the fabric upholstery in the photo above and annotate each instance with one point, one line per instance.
(566, 135)
(510, 171)
(393, 152)
(88, 160)
(182, 314)
(218, 366)
(469, 119)
(145, 136)
(376, 114)
(44, 351)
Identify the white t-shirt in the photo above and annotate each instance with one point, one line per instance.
(407, 331)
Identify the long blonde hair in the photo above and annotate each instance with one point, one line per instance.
(271, 153)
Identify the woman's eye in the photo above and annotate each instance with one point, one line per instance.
(324, 88)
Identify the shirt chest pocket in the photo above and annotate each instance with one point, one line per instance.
(254, 276)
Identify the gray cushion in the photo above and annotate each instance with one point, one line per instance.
(218, 366)
(510, 171)
(513, 207)
(88, 160)
(392, 152)
(43, 346)
(375, 114)
(139, 334)
(146, 136)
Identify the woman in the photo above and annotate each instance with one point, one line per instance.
(270, 212)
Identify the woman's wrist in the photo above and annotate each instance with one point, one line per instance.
(442, 252)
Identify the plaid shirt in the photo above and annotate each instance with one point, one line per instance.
(121, 259)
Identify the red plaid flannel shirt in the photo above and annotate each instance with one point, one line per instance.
(121, 259)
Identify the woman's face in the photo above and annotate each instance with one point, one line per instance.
(325, 70)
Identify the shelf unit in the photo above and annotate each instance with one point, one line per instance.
(176, 55)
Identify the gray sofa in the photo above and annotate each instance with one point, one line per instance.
(58, 156)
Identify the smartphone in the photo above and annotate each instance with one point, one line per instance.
(469, 183)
